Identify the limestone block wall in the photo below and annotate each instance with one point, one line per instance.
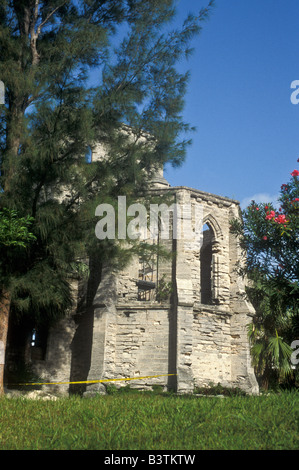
(201, 341)
(126, 286)
(211, 355)
(139, 344)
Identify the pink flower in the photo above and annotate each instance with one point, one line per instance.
(295, 173)
(281, 219)
(271, 215)
(265, 237)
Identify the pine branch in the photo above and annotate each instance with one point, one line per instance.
(35, 33)
(49, 16)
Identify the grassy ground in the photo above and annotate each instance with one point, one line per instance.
(148, 421)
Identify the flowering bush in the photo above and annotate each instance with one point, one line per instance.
(269, 235)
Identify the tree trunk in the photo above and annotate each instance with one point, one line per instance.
(265, 382)
(4, 316)
(13, 139)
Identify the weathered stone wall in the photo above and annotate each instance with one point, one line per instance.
(211, 356)
(201, 338)
(141, 343)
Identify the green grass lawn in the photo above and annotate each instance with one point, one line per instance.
(149, 421)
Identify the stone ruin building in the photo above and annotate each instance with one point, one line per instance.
(130, 325)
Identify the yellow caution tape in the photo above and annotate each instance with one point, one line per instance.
(97, 381)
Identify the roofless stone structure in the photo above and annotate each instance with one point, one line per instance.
(183, 318)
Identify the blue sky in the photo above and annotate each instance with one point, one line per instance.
(246, 142)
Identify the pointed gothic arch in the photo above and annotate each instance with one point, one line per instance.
(212, 222)
(212, 234)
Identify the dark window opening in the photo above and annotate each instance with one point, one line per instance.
(206, 266)
(146, 279)
(38, 344)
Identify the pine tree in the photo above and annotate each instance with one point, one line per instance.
(51, 115)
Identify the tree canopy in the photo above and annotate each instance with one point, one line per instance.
(52, 115)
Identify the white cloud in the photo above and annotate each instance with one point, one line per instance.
(260, 198)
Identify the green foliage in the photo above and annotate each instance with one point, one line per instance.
(14, 230)
(270, 239)
(219, 389)
(15, 241)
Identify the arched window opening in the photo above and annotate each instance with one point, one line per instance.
(206, 266)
